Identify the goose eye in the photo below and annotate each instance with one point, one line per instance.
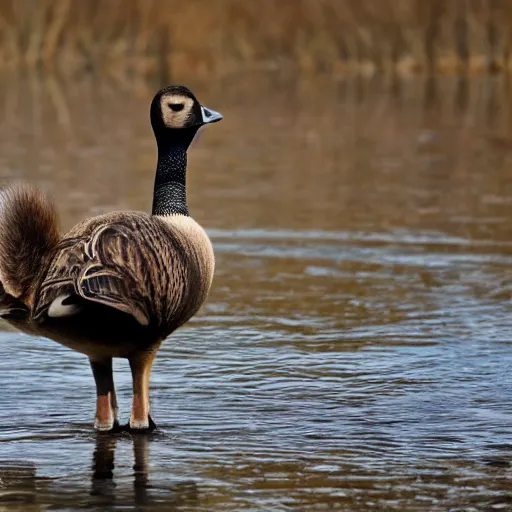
(176, 107)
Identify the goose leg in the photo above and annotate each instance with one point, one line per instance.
(140, 365)
(106, 402)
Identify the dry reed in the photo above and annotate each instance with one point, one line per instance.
(143, 37)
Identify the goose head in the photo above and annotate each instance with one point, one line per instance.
(175, 110)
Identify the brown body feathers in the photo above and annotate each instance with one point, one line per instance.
(117, 284)
(155, 270)
(29, 233)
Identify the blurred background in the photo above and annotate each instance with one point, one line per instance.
(148, 37)
(354, 353)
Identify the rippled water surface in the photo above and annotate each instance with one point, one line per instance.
(355, 350)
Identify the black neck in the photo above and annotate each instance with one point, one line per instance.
(170, 193)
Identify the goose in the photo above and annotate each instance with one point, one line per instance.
(116, 285)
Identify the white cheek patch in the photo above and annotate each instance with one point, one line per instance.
(59, 310)
(175, 119)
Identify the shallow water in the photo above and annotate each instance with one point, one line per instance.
(355, 350)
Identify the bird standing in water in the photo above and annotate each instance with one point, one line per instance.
(118, 284)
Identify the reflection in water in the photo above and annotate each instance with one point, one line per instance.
(103, 480)
(140, 467)
(354, 353)
(17, 483)
(103, 468)
(20, 484)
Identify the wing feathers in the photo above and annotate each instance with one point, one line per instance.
(124, 263)
(112, 288)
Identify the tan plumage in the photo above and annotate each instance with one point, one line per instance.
(28, 233)
(117, 284)
(133, 262)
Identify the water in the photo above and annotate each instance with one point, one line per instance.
(355, 350)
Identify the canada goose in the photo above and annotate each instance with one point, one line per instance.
(117, 284)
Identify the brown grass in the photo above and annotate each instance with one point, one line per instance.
(143, 37)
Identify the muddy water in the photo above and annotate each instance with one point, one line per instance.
(355, 351)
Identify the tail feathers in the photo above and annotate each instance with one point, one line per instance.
(28, 234)
(11, 307)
